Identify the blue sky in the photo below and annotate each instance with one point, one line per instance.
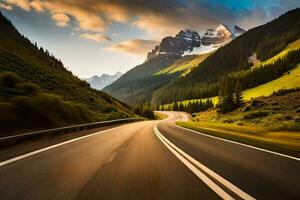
(92, 37)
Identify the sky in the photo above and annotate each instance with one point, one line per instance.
(92, 37)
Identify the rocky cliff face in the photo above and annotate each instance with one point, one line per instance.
(183, 41)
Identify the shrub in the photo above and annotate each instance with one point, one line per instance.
(9, 79)
(148, 114)
(257, 114)
(28, 88)
(240, 123)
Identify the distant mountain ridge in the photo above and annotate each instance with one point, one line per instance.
(99, 82)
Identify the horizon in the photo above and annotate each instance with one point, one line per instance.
(121, 34)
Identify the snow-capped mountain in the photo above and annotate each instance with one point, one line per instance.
(176, 46)
(219, 36)
(189, 42)
(99, 82)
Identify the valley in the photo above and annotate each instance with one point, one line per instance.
(171, 100)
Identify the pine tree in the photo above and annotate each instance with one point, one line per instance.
(226, 99)
(181, 107)
(175, 106)
(238, 94)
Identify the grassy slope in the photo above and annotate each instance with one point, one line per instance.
(292, 46)
(19, 55)
(287, 81)
(184, 65)
(270, 122)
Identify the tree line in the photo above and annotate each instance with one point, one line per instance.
(191, 107)
(144, 110)
(247, 79)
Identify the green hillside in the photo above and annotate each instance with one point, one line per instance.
(33, 66)
(289, 80)
(185, 64)
(292, 46)
(138, 84)
(266, 41)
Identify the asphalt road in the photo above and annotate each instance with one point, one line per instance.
(148, 160)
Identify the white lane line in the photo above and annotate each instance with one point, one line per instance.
(198, 173)
(52, 147)
(238, 143)
(217, 177)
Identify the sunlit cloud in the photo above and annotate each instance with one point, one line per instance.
(37, 6)
(160, 17)
(157, 17)
(95, 37)
(6, 7)
(136, 47)
(23, 4)
(61, 19)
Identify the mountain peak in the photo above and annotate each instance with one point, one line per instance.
(99, 82)
(185, 40)
(217, 37)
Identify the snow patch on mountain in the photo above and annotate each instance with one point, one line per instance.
(201, 50)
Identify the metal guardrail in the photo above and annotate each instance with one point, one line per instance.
(67, 129)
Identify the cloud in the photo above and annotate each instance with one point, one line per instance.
(61, 19)
(86, 17)
(95, 36)
(37, 6)
(7, 7)
(136, 47)
(23, 4)
(158, 17)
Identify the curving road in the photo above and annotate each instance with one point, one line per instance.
(148, 160)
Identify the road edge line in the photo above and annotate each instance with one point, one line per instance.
(212, 185)
(26, 155)
(239, 143)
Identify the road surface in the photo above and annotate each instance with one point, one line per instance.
(148, 160)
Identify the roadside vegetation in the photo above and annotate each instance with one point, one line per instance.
(160, 116)
(191, 107)
(144, 110)
(271, 122)
(24, 106)
(37, 91)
